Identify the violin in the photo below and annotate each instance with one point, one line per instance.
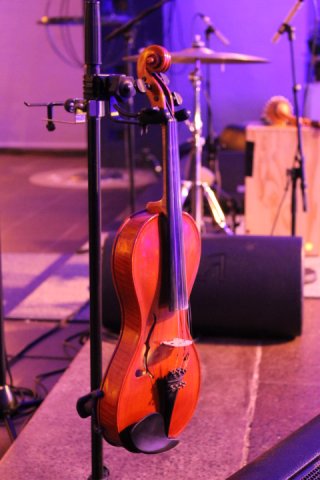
(151, 386)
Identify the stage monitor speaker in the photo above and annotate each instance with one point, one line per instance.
(297, 457)
(247, 286)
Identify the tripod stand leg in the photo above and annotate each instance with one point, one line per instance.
(197, 204)
(215, 209)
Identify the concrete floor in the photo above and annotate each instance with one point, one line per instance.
(254, 392)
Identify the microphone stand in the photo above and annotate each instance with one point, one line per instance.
(210, 140)
(298, 170)
(95, 110)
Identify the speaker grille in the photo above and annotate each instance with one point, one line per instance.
(310, 472)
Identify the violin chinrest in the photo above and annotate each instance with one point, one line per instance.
(149, 436)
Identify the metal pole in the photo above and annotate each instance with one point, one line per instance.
(196, 203)
(94, 113)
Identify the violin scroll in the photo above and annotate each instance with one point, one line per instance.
(152, 62)
(151, 386)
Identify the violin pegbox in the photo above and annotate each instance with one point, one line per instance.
(153, 61)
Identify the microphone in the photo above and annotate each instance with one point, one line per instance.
(219, 35)
(285, 22)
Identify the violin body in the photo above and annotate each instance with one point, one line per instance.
(132, 385)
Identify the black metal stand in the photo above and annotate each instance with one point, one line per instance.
(94, 113)
(98, 88)
(211, 141)
(298, 170)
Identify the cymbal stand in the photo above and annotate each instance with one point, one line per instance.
(211, 142)
(196, 186)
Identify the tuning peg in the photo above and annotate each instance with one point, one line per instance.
(141, 85)
(182, 115)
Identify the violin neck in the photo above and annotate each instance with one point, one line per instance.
(172, 200)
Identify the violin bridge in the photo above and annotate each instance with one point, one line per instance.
(177, 342)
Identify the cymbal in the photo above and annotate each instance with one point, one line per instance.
(206, 55)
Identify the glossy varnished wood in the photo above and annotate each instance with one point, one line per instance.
(130, 390)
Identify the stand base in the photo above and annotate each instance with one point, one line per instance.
(10, 406)
(8, 401)
(105, 473)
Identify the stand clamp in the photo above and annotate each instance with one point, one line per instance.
(99, 87)
(87, 406)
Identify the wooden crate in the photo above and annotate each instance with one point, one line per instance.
(274, 153)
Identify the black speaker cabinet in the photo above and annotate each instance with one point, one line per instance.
(297, 457)
(247, 286)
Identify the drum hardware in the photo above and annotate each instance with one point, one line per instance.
(206, 55)
(212, 142)
(196, 187)
(72, 105)
(197, 55)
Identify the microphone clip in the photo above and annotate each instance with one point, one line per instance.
(287, 28)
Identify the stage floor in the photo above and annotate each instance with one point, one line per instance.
(254, 392)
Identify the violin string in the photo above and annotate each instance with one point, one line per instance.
(177, 194)
(177, 219)
(173, 158)
(177, 229)
(182, 313)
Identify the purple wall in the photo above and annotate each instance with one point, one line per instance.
(240, 92)
(30, 70)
